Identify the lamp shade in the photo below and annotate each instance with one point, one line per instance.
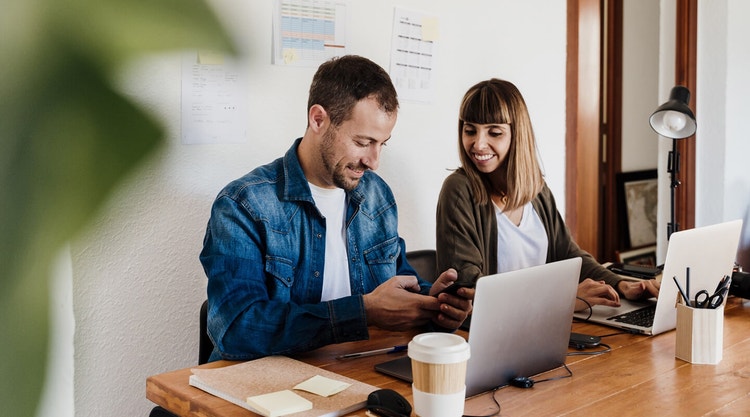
(674, 119)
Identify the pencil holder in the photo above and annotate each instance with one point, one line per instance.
(700, 334)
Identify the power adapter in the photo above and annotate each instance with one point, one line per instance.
(583, 341)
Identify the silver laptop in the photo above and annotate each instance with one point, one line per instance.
(520, 326)
(708, 251)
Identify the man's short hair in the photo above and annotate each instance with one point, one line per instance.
(340, 83)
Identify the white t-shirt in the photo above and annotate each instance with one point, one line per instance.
(520, 246)
(332, 204)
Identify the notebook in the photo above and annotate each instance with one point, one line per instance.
(248, 384)
(708, 251)
(520, 326)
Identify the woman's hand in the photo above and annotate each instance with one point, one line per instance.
(596, 293)
(639, 290)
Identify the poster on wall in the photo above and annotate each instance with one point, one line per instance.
(214, 100)
(640, 197)
(308, 32)
(413, 51)
(638, 200)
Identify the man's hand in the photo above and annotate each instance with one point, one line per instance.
(397, 305)
(638, 290)
(596, 293)
(453, 308)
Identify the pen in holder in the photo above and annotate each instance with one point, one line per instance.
(700, 333)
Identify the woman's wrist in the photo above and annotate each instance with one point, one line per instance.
(618, 287)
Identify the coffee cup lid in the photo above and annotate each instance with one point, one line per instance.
(439, 348)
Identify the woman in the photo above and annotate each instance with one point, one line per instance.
(496, 214)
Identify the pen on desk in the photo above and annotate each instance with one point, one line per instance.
(393, 349)
(687, 282)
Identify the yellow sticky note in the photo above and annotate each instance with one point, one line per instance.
(322, 386)
(430, 29)
(290, 55)
(279, 403)
(210, 58)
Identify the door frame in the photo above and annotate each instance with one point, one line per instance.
(589, 187)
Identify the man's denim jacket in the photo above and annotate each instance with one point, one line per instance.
(264, 253)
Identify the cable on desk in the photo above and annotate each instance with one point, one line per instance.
(606, 349)
(526, 382)
(554, 378)
(591, 309)
(494, 391)
(495, 413)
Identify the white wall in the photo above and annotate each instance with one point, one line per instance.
(57, 395)
(640, 69)
(723, 147)
(711, 111)
(137, 281)
(737, 174)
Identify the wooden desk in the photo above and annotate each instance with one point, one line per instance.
(639, 377)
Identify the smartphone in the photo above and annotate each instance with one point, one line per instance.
(583, 341)
(453, 288)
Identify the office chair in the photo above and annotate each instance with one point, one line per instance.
(205, 347)
(158, 411)
(424, 261)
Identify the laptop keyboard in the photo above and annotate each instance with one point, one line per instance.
(641, 317)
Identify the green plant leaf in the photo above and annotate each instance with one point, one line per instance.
(118, 30)
(67, 138)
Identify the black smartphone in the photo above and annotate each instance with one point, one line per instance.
(453, 288)
(583, 341)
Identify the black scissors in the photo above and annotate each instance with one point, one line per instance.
(704, 300)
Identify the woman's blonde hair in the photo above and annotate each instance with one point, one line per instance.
(497, 101)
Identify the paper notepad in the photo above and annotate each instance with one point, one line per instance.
(279, 403)
(236, 383)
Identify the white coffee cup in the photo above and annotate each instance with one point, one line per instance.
(438, 363)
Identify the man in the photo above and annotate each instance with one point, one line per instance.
(305, 252)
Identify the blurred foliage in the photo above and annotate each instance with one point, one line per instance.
(67, 136)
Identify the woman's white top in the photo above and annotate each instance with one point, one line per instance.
(520, 246)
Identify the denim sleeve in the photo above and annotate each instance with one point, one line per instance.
(252, 309)
(405, 268)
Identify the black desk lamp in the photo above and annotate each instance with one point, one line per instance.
(674, 120)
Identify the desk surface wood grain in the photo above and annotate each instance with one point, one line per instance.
(639, 377)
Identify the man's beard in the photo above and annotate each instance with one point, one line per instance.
(336, 169)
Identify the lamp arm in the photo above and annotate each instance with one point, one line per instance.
(673, 167)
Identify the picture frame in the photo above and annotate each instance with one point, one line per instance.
(637, 203)
(644, 255)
